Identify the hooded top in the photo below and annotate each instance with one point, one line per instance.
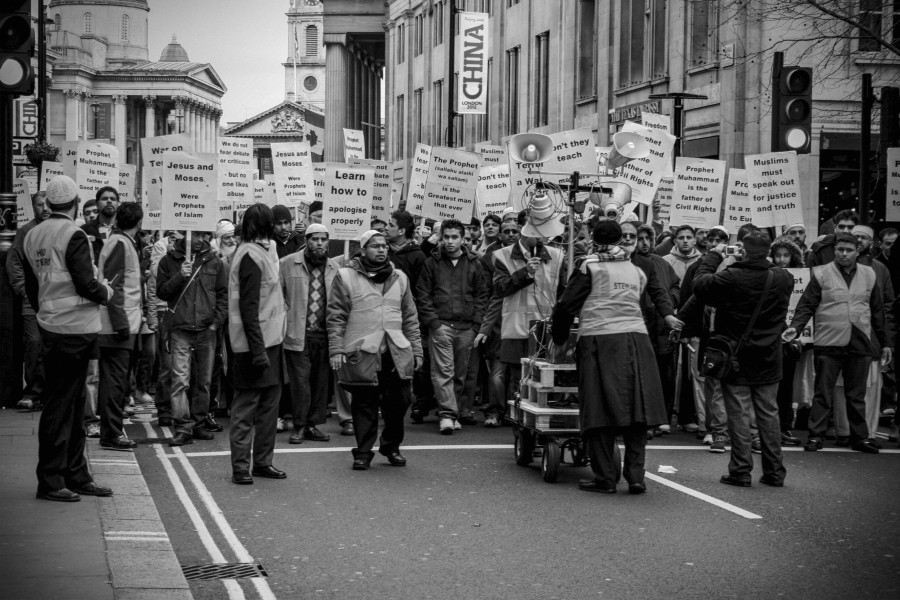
(680, 262)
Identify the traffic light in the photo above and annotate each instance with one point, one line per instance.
(16, 48)
(792, 118)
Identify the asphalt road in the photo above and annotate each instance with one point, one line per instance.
(466, 523)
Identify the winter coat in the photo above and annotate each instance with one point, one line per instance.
(681, 262)
(454, 295)
(205, 301)
(295, 276)
(410, 259)
(291, 245)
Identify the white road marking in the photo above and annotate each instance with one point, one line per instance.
(700, 495)
(156, 533)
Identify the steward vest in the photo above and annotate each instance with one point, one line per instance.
(374, 312)
(842, 307)
(534, 302)
(131, 287)
(271, 297)
(61, 310)
(614, 304)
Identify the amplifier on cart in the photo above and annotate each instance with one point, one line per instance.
(539, 339)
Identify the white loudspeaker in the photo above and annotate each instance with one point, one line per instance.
(530, 147)
(625, 148)
(612, 198)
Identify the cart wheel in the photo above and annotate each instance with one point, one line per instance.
(524, 447)
(550, 461)
(617, 459)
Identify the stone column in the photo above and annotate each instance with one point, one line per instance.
(72, 114)
(204, 130)
(217, 114)
(337, 102)
(195, 125)
(119, 104)
(150, 117)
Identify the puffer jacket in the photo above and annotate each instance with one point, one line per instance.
(205, 300)
(454, 295)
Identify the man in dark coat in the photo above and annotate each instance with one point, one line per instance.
(822, 252)
(735, 293)
(287, 241)
(100, 228)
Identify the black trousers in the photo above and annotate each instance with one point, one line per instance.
(786, 391)
(855, 370)
(309, 372)
(391, 395)
(254, 413)
(666, 365)
(61, 461)
(112, 392)
(601, 447)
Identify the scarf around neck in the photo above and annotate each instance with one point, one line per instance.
(375, 272)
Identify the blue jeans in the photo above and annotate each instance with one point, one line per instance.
(191, 349)
(450, 350)
(740, 400)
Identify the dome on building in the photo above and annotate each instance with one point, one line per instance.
(174, 52)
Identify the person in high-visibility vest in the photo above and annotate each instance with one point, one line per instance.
(62, 286)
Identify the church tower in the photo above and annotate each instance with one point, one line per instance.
(304, 70)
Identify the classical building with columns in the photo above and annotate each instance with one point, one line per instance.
(105, 86)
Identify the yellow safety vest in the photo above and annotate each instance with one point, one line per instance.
(534, 302)
(374, 314)
(61, 310)
(614, 304)
(131, 287)
(842, 307)
(271, 298)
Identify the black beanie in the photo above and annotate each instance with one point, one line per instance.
(280, 212)
(607, 232)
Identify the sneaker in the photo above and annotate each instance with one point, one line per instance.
(446, 426)
(717, 446)
(692, 428)
(93, 430)
(491, 422)
(130, 401)
(813, 444)
(457, 426)
(756, 446)
(708, 439)
(145, 398)
(280, 425)
(664, 430)
(26, 403)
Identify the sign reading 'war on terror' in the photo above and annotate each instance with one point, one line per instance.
(774, 183)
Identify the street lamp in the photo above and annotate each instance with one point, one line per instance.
(179, 115)
(679, 98)
(95, 108)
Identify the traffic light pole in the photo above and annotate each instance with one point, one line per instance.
(777, 65)
(865, 145)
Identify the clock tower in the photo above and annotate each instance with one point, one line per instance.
(304, 69)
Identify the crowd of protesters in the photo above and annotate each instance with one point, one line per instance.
(276, 326)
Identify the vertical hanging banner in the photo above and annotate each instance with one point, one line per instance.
(492, 155)
(415, 195)
(348, 201)
(293, 173)
(49, 170)
(801, 280)
(471, 60)
(573, 150)
(381, 188)
(451, 184)
(697, 199)
(96, 166)
(354, 144)
(738, 210)
(492, 196)
(892, 204)
(774, 183)
(24, 208)
(235, 153)
(643, 174)
(190, 184)
(127, 174)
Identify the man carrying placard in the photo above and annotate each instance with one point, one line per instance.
(100, 229)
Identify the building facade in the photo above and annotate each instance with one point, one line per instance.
(304, 69)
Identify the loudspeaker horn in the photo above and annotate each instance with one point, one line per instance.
(530, 147)
(626, 147)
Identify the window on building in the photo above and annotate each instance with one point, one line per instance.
(437, 112)
(310, 83)
(401, 44)
(419, 34)
(587, 49)
(704, 35)
(482, 6)
(57, 22)
(512, 90)
(401, 128)
(125, 28)
(438, 20)
(541, 78)
(870, 17)
(631, 42)
(417, 115)
(312, 41)
(88, 21)
(511, 2)
(657, 15)
(483, 130)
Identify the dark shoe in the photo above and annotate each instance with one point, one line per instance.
(92, 489)
(468, 420)
(813, 444)
(865, 446)
(347, 428)
(592, 485)
(269, 472)
(718, 446)
(771, 480)
(417, 417)
(396, 459)
(164, 421)
(731, 480)
(637, 488)
(876, 443)
(209, 424)
(295, 438)
(843, 441)
(181, 439)
(314, 435)
(203, 434)
(756, 446)
(123, 444)
(361, 464)
(241, 478)
(63, 495)
(788, 439)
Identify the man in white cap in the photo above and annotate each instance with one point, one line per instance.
(306, 278)
(797, 234)
(62, 287)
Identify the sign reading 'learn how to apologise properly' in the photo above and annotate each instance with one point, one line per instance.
(348, 201)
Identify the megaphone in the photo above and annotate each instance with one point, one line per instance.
(612, 198)
(626, 147)
(530, 147)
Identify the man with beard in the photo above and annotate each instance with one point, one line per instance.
(287, 241)
(306, 278)
(100, 229)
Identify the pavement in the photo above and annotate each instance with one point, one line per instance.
(95, 549)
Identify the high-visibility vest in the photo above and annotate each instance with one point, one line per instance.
(131, 287)
(375, 313)
(534, 302)
(271, 298)
(842, 306)
(61, 309)
(614, 304)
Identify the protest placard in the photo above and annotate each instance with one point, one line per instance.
(226, 211)
(30, 175)
(492, 196)
(415, 195)
(354, 144)
(451, 184)
(656, 121)
(381, 188)
(270, 195)
(738, 210)
(69, 157)
(293, 172)
(96, 166)
(774, 183)
(396, 194)
(348, 201)
(319, 180)
(24, 209)
(152, 148)
(152, 200)
(697, 200)
(490, 154)
(892, 204)
(189, 201)
(664, 194)
(49, 170)
(602, 156)
(235, 153)
(127, 175)
(573, 150)
(801, 280)
(235, 187)
(643, 174)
